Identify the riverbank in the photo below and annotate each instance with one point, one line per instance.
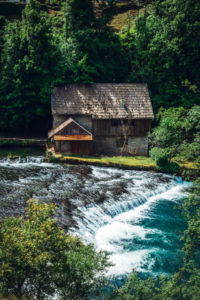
(22, 142)
(188, 170)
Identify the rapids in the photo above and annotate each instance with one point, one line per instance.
(131, 214)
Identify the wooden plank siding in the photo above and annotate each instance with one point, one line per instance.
(139, 127)
(72, 129)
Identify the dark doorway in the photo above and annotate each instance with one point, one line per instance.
(80, 147)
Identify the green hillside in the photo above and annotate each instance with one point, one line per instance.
(126, 10)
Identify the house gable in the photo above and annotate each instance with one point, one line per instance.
(69, 128)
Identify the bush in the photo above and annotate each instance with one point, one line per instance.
(173, 167)
(178, 133)
(162, 161)
(156, 153)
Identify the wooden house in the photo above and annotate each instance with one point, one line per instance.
(102, 118)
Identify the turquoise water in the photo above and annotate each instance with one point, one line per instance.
(141, 227)
(132, 214)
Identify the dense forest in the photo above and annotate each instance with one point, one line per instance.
(77, 43)
(39, 50)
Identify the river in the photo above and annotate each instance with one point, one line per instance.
(131, 214)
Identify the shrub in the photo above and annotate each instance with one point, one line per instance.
(173, 167)
(156, 153)
(162, 161)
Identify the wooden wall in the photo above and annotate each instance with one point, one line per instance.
(139, 127)
(72, 129)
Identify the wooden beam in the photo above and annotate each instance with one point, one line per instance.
(72, 138)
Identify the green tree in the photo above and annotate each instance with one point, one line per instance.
(2, 25)
(178, 133)
(92, 50)
(31, 64)
(165, 54)
(38, 259)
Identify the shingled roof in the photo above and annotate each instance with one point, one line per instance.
(103, 100)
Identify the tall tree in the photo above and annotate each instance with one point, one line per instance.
(165, 52)
(93, 51)
(30, 59)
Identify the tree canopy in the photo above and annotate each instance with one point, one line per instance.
(30, 65)
(38, 259)
(163, 52)
(178, 133)
(92, 51)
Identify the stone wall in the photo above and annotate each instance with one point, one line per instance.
(105, 144)
(111, 146)
(63, 146)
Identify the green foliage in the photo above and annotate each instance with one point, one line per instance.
(178, 133)
(191, 210)
(137, 289)
(31, 62)
(162, 161)
(162, 52)
(43, 50)
(93, 53)
(156, 153)
(38, 259)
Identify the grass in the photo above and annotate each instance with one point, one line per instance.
(136, 162)
(188, 170)
(188, 165)
(129, 160)
(122, 19)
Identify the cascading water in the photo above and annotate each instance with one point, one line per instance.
(131, 214)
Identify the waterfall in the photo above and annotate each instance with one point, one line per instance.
(114, 224)
(6, 161)
(129, 213)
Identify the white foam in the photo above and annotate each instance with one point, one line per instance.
(125, 262)
(108, 225)
(110, 234)
(26, 162)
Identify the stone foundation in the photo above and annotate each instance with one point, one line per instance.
(114, 145)
(110, 146)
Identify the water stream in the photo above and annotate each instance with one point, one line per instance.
(131, 214)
